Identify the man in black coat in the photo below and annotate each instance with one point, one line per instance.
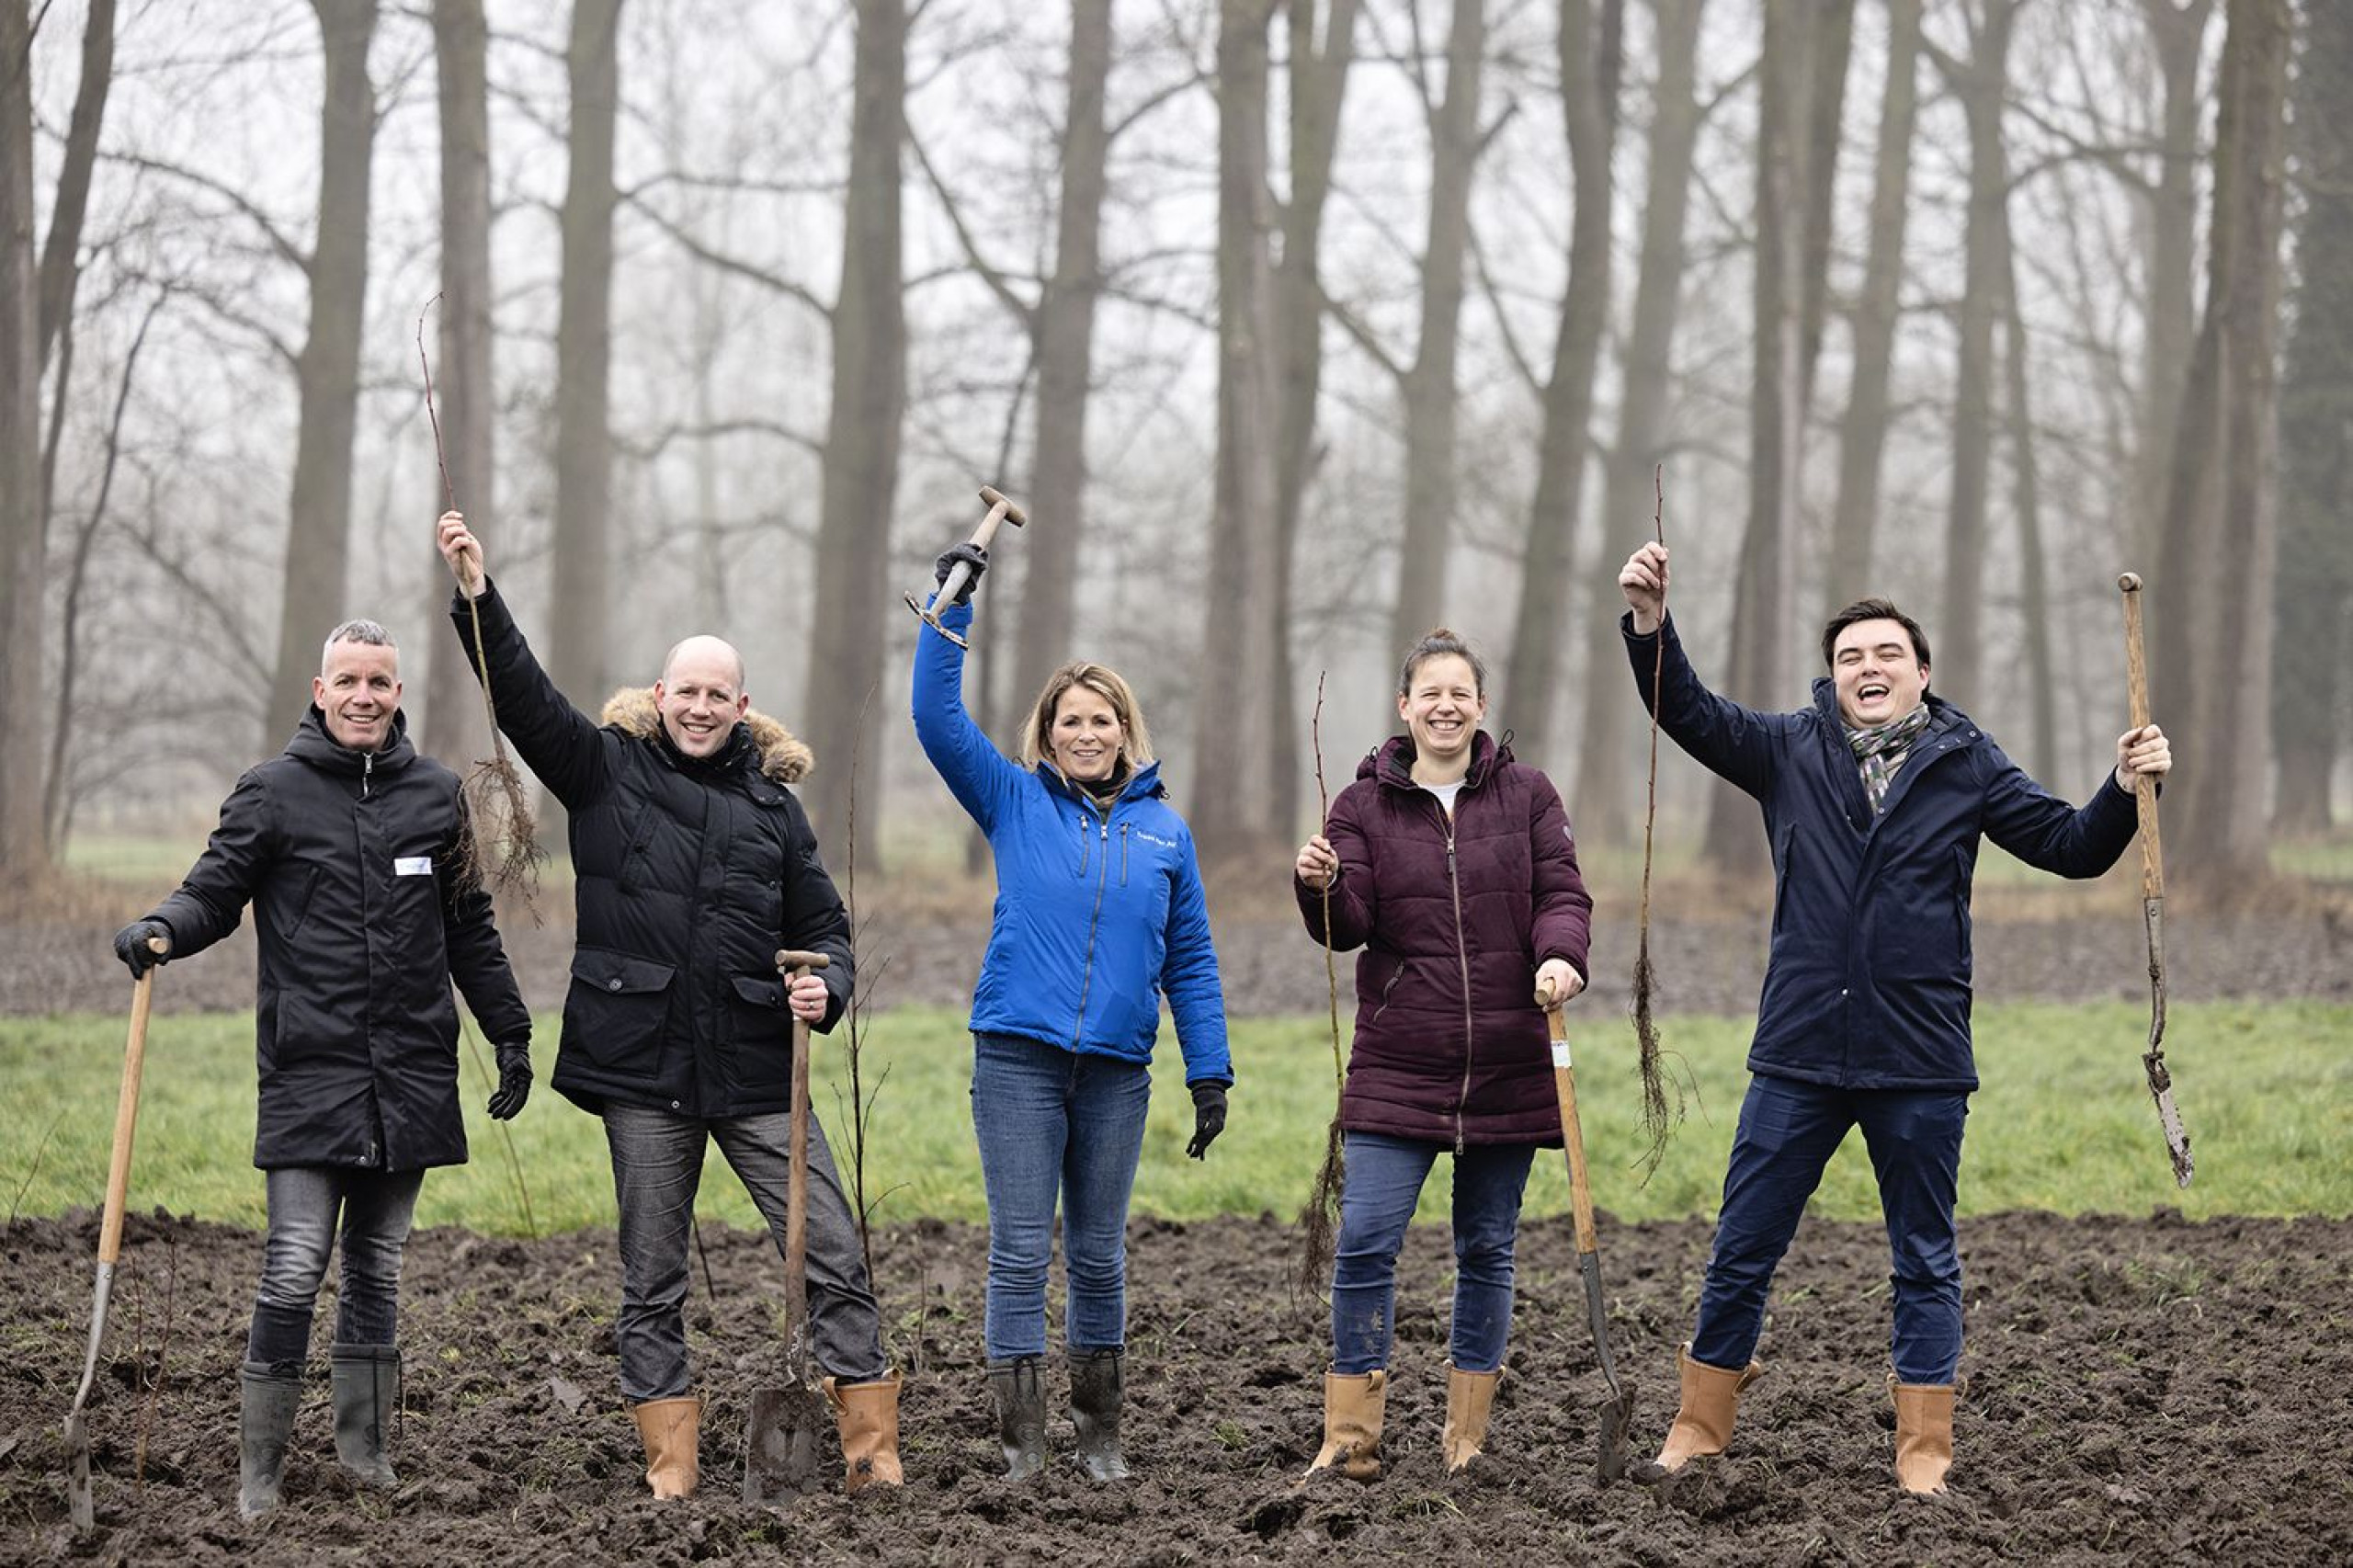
(693, 864)
(1874, 798)
(353, 850)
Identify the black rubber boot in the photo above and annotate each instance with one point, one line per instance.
(265, 1421)
(1096, 1385)
(1021, 1415)
(367, 1380)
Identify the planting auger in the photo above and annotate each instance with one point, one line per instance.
(1000, 511)
(2152, 894)
(784, 1436)
(126, 1124)
(1616, 1412)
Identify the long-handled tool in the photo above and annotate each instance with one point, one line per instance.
(784, 1436)
(126, 1122)
(1000, 511)
(1616, 1412)
(2152, 894)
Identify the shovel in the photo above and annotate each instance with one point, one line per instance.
(784, 1437)
(1616, 1412)
(1000, 511)
(126, 1122)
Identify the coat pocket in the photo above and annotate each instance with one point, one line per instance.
(618, 1009)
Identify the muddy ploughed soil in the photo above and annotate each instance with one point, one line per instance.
(2143, 1390)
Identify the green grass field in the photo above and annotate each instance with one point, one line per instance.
(2062, 1123)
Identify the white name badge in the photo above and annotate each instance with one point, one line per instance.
(1560, 1053)
(412, 865)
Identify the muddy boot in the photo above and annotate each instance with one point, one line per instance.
(670, 1429)
(367, 1382)
(1021, 1415)
(1353, 1406)
(1923, 1434)
(1096, 1384)
(1704, 1425)
(867, 1418)
(1469, 1398)
(265, 1421)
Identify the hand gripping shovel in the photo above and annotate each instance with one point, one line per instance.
(784, 1438)
(126, 1121)
(1616, 1412)
(1000, 511)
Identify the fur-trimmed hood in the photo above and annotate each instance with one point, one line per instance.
(784, 757)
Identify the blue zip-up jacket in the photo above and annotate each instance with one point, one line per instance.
(1868, 985)
(1097, 914)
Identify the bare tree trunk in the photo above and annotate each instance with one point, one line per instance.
(1232, 813)
(1588, 49)
(862, 466)
(1980, 84)
(2315, 586)
(1430, 394)
(23, 575)
(579, 610)
(1832, 43)
(1605, 802)
(2220, 546)
(1863, 436)
(455, 730)
(2177, 32)
(318, 534)
(1065, 323)
(60, 257)
(2034, 585)
(1319, 80)
(1762, 607)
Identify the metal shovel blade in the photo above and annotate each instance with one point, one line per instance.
(1616, 1413)
(784, 1451)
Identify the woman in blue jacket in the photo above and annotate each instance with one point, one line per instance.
(1100, 912)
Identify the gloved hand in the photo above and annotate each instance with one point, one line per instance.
(130, 945)
(513, 1080)
(1209, 1117)
(971, 555)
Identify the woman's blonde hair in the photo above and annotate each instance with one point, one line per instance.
(1135, 745)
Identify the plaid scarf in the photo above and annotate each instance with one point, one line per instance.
(1881, 751)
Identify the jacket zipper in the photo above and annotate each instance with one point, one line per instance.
(1462, 957)
(367, 771)
(1087, 973)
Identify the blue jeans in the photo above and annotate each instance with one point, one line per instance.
(1377, 1199)
(1055, 1124)
(1788, 1132)
(657, 1167)
(375, 1207)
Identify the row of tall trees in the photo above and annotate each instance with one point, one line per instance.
(1300, 324)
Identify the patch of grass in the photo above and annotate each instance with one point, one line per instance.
(2063, 1122)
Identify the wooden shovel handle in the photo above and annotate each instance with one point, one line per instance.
(126, 1107)
(1564, 1085)
(2144, 787)
(793, 963)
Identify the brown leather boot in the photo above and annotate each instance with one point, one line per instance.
(1923, 1434)
(1352, 1411)
(670, 1428)
(1703, 1424)
(867, 1415)
(1469, 1398)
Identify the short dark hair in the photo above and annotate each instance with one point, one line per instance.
(1437, 642)
(1872, 610)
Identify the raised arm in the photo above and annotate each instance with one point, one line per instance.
(976, 772)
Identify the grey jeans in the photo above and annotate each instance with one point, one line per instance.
(305, 1203)
(657, 1165)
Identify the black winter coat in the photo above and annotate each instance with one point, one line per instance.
(688, 876)
(351, 862)
(1868, 986)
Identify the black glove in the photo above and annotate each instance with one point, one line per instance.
(514, 1081)
(971, 555)
(130, 945)
(1209, 1117)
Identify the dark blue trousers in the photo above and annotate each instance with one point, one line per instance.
(1788, 1132)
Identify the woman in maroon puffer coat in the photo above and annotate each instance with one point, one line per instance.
(1451, 866)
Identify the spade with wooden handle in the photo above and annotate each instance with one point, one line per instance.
(784, 1437)
(1000, 511)
(1616, 1412)
(126, 1124)
(2152, 894)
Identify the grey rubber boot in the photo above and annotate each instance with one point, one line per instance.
(1021, 1415)
(367, 1380)
(265, 1421)
(1096, 1385)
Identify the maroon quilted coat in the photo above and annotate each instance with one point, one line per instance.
(1453, 918)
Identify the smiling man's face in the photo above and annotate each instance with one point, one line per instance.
(1879, 674)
